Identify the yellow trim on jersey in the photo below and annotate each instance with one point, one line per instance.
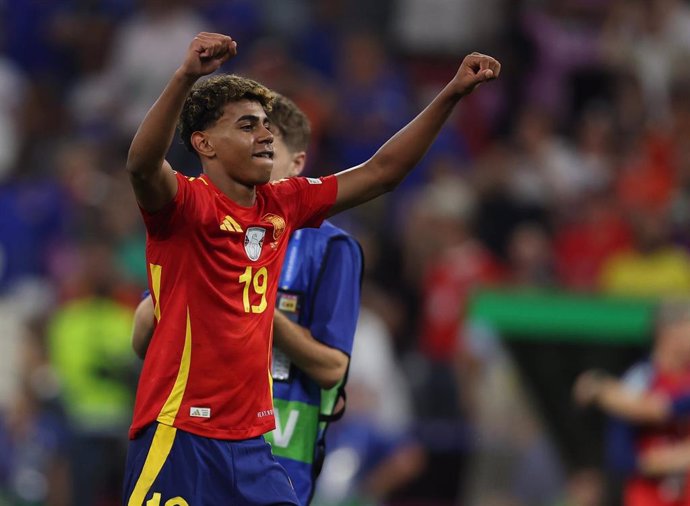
(270, 361)
(160, 448)
(172, 405)
(270, 382)
(156, 287)
(229, 224)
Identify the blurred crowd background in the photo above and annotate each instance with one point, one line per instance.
(568, 179)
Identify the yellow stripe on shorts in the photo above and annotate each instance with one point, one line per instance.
(160, 448)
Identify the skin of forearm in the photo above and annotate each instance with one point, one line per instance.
(644, 409)
(405, 149)
(668, 459)
(156, 132)
(397, 157)
(323, 364)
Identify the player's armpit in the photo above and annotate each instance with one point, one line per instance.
(154, 189)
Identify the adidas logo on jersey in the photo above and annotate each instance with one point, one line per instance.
(230, 225)
(200, 412)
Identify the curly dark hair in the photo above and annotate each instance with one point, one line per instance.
(204, 104)
(291, 123)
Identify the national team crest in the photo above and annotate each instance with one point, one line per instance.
(253, 241)
(278, 224)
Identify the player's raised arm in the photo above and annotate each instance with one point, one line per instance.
(152, 178)
(398, 156)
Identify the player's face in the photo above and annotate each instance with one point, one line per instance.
(242, 142)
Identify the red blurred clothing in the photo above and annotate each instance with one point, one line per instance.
(448, 283)
(582, 247)
(667, 491)
(648, 180)
(213, 272)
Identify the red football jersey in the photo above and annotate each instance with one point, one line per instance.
(666, 490)
(213, 273)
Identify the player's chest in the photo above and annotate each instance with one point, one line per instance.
(238, 235)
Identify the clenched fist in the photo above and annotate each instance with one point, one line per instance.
(474, 70)
(206, 53)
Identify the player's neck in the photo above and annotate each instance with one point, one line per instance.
(239, 193)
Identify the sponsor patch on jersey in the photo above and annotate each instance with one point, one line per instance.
(313, 180)
(278, 223)
(200, 412)
(268, 412)
(253, 241)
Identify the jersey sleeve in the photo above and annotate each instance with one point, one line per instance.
(638, 378)
(337, 295)
(308, 200)
(161, 224)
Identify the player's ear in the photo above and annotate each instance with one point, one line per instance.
(299, 160)
(202, 144)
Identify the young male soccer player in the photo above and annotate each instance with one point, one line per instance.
(318, 298)
(215, 245)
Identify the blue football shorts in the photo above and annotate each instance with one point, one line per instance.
(170, 467)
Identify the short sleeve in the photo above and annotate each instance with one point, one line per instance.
(307, 199)
(160, 224)
(638, 379)
(337, 295)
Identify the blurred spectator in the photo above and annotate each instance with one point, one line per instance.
(372, 97)
(513, 461)
(565, 42)
(90, 351)
(587, 239)
(448, 262)
(647, 447)
(650, 40)
(144, 55)
(12, 95)
(530, 257)
(33, 220)
(35, 468)
(653, 266)
(372, 450)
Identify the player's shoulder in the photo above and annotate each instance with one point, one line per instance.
(639, 377)
(326, 231)
(290, 184)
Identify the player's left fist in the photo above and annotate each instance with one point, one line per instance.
(474, 70)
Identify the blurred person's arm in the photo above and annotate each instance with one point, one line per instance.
(152, 178)
(668, 459)
(325, 365)
(323, 350)
(398, 156)
(614, 398)
(142, 330)
(394, 472)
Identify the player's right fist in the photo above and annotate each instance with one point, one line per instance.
(206, 53)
